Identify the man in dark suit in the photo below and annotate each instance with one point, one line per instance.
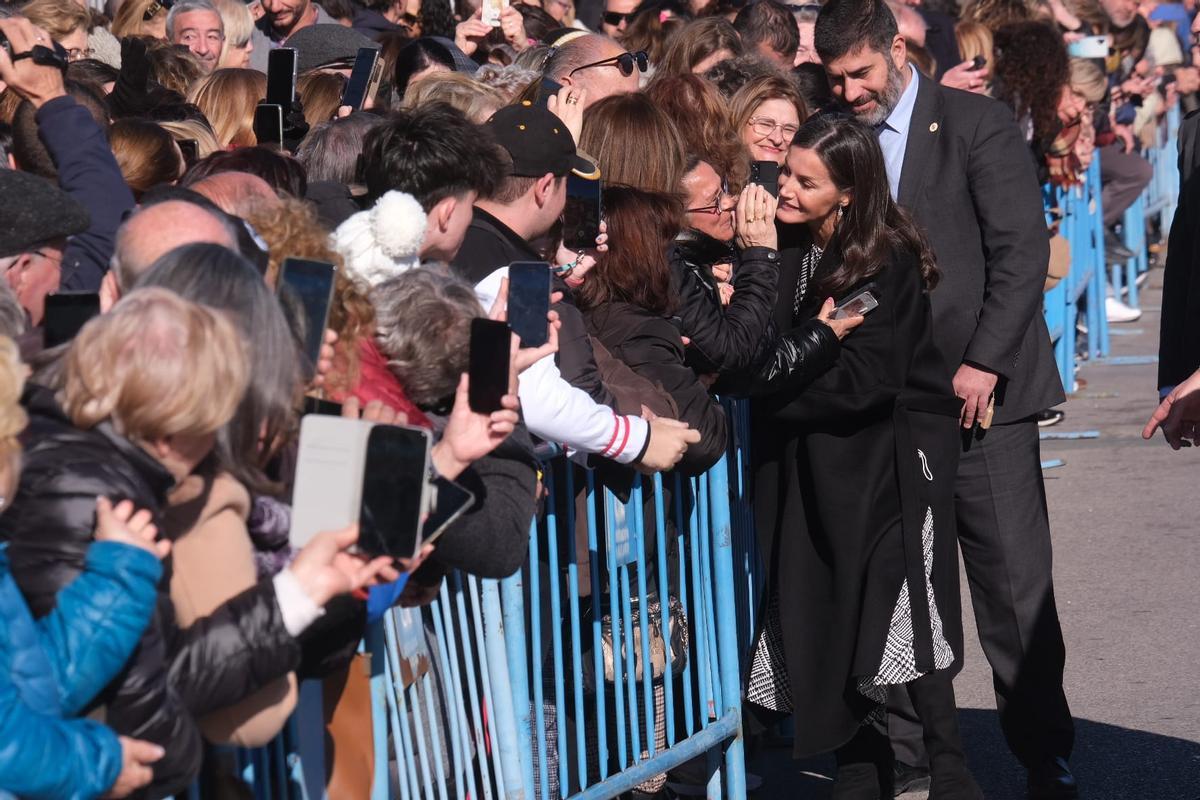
(1179, 334)
(958, 163)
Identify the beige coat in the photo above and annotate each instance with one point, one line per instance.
(213, 560)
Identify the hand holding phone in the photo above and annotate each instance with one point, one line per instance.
(859, 304)
(364, 79)
(582, 213)
(489, 370)
(305, 290)
(529, 301)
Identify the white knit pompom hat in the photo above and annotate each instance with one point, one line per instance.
(384, 241)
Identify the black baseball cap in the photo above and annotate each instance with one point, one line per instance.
(538, 142)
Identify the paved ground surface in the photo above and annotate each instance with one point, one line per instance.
(1126, 527)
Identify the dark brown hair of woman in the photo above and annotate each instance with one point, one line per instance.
(696, 41)
(641, 227)
(702, 118)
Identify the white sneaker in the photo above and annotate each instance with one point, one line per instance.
(1116, 311)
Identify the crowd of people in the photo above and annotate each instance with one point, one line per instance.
(758, 164)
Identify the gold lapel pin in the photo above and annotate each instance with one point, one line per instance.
(933, 127)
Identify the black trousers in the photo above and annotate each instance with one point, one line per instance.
(1004, 534)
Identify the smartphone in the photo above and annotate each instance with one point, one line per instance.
(492, 9)
(450, 502)
(860, 303)
(364, 79)
(488, 371)
(766, 175)
(305, 290)
(581, 215)
(281, 76)
(1090, 47)
(268, 123)
(66, 313)
(395, 491)
(320, 406)
(547, 89)
(190, 149)
(978, 63)
(529, 301)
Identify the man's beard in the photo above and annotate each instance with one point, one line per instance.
(885, 100)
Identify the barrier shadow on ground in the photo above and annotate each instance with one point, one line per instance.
(1110, 762)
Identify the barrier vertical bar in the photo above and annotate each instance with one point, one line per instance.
(474, 733)
(452, 687)
(597, 630)
(615, 626)
(485, 676)
(537, 684)
(644, 616)
(735, 763)
(576, 636)
(505, 636)
(376, 646)
(688, 671)
(556, 638)
(664, 592)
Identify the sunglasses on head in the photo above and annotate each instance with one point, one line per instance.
(155, 7)
(624, 62)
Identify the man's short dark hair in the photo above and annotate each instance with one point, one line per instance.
(432, 152)
(27, 148)
(844, 26)
(768, 22)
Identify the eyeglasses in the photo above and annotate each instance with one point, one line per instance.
(624, 62)
(214, 38)
(717, 207)
(77, 54)
(615, 18)
(765, 126)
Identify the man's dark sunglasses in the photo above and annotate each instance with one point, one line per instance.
(624, 62)
(615, 18)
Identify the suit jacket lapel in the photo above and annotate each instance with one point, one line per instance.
(923, 133)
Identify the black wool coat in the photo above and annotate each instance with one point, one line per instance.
(846, 468)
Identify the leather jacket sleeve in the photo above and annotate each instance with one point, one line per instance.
(724, 338)
(223, 658)
(797, 358)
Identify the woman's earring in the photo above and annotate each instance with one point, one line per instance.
(840, 210)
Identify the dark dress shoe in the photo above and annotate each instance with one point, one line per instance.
(911, 779)
(1052, 780)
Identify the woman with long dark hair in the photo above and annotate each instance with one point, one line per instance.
(855, 444)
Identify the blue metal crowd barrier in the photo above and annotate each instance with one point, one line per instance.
(1082, 293)
(1083, 289)
(538, 686)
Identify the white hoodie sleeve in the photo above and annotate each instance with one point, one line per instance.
(558, 412)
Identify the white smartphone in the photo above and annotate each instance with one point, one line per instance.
(349, 471)
(492, 9)
(859, 304)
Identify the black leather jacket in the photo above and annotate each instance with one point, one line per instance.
(724, 339)
(173, 675)
(797, 358)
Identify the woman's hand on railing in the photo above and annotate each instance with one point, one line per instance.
(841, 327)
(669, 440)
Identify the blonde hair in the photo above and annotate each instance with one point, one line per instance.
(12, 382)
(194, 129)
(150, 366)
(975, 39)
(321, 94)
(146, 154)
(130, 18)
(227, 98)
(238, 22)
(58, 18)
(1087, 80)
(757, 91)
(475, 100)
